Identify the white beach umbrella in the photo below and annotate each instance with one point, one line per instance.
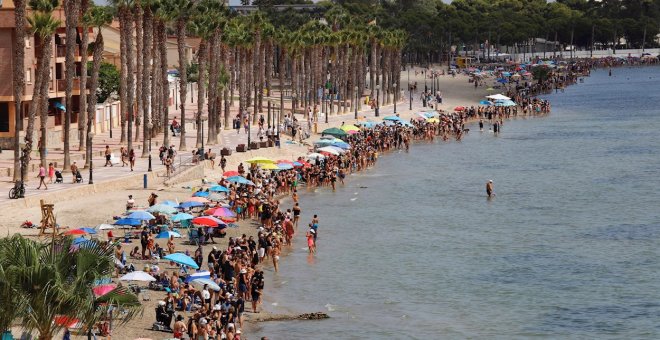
(137, 276)
(498, 97)
(105, 226)
(315, 155)
(330, 150)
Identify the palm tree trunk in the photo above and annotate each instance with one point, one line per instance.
(82, 117)
(130, 83)
(183, 78)
(140, 103)
(123, 72)
(155, 88)
(164, 84)
(213, 86)
(18, 75)
(147, 74)
(93, 85)
(41, 103)
(72, 12)
(201, 90)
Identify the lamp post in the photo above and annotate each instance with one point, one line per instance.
(356, 101)
(424, 74)
(279, 116)
(91, 158)
(378, 100)
(201, 126)
(249, 134)
(324, 107)
(394, 85)
(150, 126)
(409, 87)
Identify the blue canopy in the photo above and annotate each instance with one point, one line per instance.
(201, 194)
(428, 114)
(505, 103)
(181, 217)
(198, 275)
(182, 259)
(486, 102)
(239, 180)
(284, 166)
(502, 80)
(392, 118)
(170, 203)
(297, 164)
(128, 221)
(88, 230)
(167, 234)
(141, 215)
(368, 125)
(342, 145)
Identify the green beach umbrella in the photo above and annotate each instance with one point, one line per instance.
(337, 132)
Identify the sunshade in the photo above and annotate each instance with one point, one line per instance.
(137, 276)
(505, 103)
(337, 132)
(217, 196)
(434, 120)
(162, 209)
(218, 188)
(181, 217)
(208, 221)
(170, 203)
(66, 321)
(270, 166)
(486, 102)
(222, 212)
(197, 199)
(315, 155)
(259, 160)
(167, 234)
(284, 161)
(368, 125)
(498, 97)
(141, 215)
(341, 145)
(182, 259)
(208, 282)
(323, 142)
(350, 128)
(191, 204)
(78, 231)
(128, 221)
(199, 275)
(284, 166)
(393, 118)
(201, 194)
(103, 289)
(230, 173)
(105, 226)
(459, 108)
(239, 180)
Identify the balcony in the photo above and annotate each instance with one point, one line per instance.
(61, 84)
(61, 51)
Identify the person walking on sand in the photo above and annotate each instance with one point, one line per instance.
(108, 155)
(42, 177)
(51, 172)
(131, 158)
(489, 188)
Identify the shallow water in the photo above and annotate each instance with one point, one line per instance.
(413, 249)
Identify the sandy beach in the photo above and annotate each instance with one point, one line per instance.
(100, 207)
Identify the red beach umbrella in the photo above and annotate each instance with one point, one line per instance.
(75, 232)
(207, 221)
(230, 173)
(459, 108)
(103, 289)
(283, 161)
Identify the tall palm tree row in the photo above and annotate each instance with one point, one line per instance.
(18, 76)
(72, 13)
(84, 53)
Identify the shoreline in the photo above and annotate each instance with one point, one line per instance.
(247, 226)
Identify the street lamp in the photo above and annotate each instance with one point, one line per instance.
(249, 134)
(325, 108)
(377, 100)
(91, 157)
(356, 101)
(409, 87)
(394, 85)
(150, 126)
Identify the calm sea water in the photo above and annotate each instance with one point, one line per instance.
(569, 247)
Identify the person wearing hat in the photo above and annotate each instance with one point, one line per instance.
(489, 188)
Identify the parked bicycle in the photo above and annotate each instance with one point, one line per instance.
(18, 191)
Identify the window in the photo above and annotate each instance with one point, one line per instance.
(4, 117)
(28, 76)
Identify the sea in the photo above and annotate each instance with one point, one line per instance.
(568, 248)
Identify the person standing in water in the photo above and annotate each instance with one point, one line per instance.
(489, 188)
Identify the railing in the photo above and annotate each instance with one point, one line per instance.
(185, 163)
(60, 51)
(61, 84)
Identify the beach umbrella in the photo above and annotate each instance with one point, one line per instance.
(328, 137)
(315, 155)
(201, 194)
(207, 221)
(506, 74)
(141, 215)
(498, 97)
(218, 188)
(505, 103)
(204, 281)
(329, 150)
(502, 80)
(181, 217)
(128, 221)
(392, 118)
(65, 321)
(490, 89)
(182, 259)
(338, 149)
(284, 166)
(162, 209)
(169, 203)
(459, 108)
(428, 114)
(259, 160)
(199, 275)
(217, 196)
(105, 226)
(103, 289)
(336, 132)
(368, 124)
(79, 240)
(323, 142)
(222, 212)
(191, 204)
(198, 199)
(230, 173)
(349, 127)
(270, 166)
(137, 275)
(167, 234)
(486, 102)
(434, 120)
(341, 145)
(78, 231)
(239, 180)
(297, 164)
(284, 161)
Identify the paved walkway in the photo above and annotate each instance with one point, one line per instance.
(226, 138)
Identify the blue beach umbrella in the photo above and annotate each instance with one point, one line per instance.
(486, 102)
(506, 74)
(181, 217)
(169, 203)
(502, 80)
(428, 114)
(505, 103)
(141, 215)
(342, 145)
(88, 230)
(239, 180)
(368, 125)
(128, 221)
(284, 166)
(210, 283)
(182, 259)
(167, 234)
(297, 164)
(218, 188)
(162, 209)
(199, 275)
(201, 194)
(79, 240)
(392, 118)
(323, 142)
(191, 204)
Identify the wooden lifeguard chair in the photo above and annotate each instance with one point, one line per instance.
(48, 224)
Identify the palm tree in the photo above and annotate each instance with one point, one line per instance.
(127, 87)
(199, 27)
(182, 10)
(18, 75)
(57, 279)
(147, 40)
(43, 25)
(72, 12)
(138, 13)
(84, 45)
(95, 17)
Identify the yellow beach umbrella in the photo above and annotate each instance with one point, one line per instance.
(350, 128)
(433, 120)
(269, 166)
(260, 160)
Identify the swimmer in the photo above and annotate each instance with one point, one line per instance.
(489, 188)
